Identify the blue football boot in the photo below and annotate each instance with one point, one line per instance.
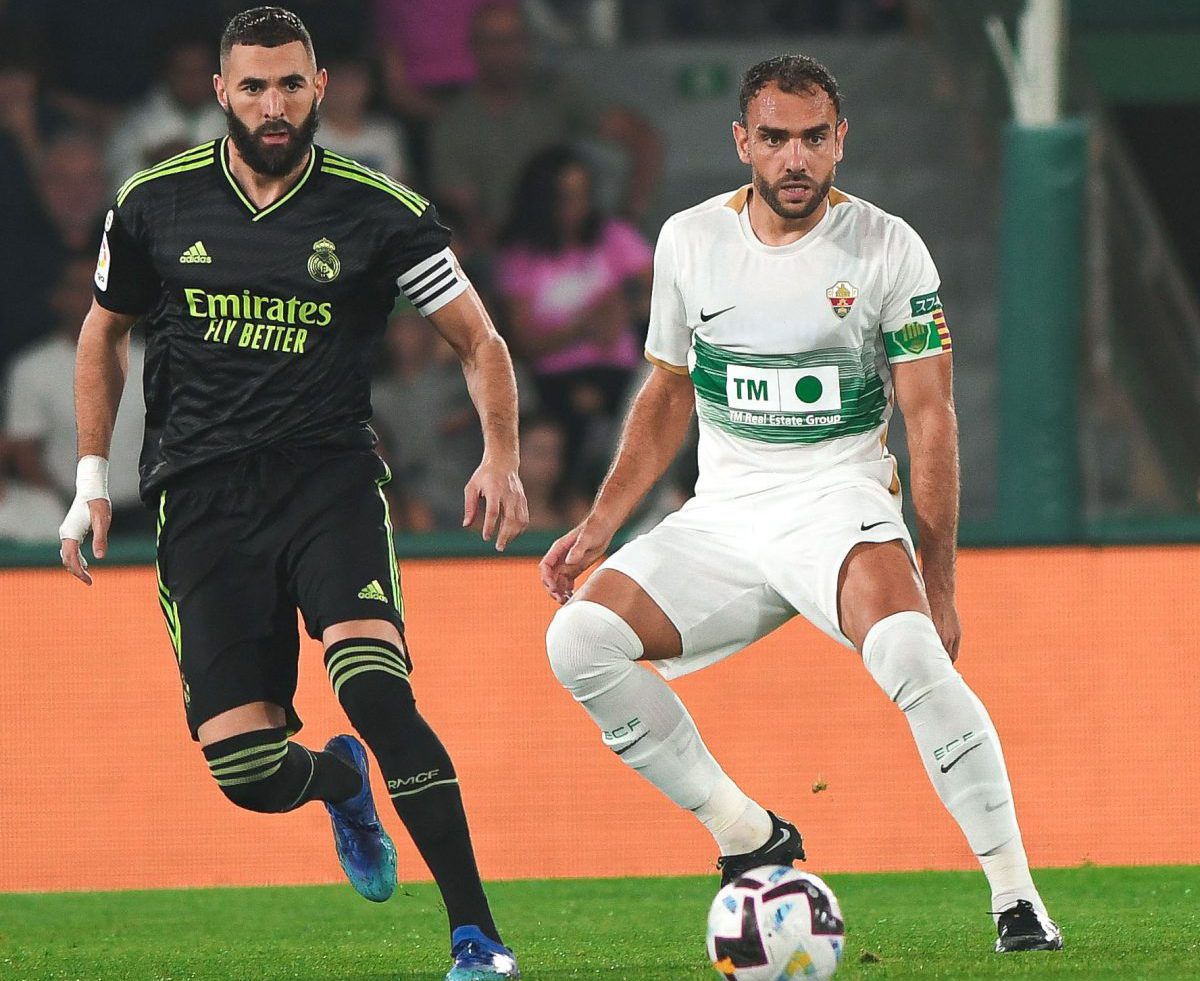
(477, 957)
(366, 852)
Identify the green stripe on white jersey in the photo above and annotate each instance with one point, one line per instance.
(790, 347)
(797, 398)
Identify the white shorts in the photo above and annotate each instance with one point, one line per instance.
(727, 572)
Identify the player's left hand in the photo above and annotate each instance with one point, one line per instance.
(506, 512)
(944, 614)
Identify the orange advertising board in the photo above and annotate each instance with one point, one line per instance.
(1085, 657)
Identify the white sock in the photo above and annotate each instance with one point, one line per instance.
(1007, 871)
(958, 745)
(592, 651)
(737, 823)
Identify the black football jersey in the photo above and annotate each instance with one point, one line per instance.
(262, 324)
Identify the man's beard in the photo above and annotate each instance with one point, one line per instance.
(793, 212)
(268, 160)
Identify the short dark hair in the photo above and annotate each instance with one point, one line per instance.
(268, 27)
(792, 73)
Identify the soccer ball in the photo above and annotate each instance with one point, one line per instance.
(775, 924)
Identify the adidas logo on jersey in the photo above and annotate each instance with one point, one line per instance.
(196, 253)
(373, 590)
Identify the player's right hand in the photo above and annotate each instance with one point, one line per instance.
(578, 549)
(93, 516)
(90, 511)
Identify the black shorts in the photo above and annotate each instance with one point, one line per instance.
(242, 545)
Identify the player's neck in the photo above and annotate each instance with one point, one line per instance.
(771, 228)
(263, 190)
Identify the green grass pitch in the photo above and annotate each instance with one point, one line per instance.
(1122, 923)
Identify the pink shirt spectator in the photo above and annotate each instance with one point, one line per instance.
(434, 36)
(559, 287)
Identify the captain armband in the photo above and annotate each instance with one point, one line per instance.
(434, 282)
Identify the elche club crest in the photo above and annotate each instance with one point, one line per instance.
(323, 264)
(841, 297)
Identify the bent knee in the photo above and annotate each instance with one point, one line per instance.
(590, 648)
(370, 678)
(262, 797)
(253, 770)
(906, 657)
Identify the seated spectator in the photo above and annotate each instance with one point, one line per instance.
(57, 213)
(103, 54)
(489, 132)
(427, 43)
(477, 258)
(29, 248)
(73, 191)
(346, 126)
(553, 505)
(25, 115)
(427, 60)
(41, 409)
(27, 514)
(428, 431)
(179, 112)
(574, 283)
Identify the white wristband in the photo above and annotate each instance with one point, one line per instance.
(91, 478)
(91, 484)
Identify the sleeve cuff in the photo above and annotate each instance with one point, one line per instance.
(675, 369)
(109, 304)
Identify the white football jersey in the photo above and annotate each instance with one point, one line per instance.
(789, 346)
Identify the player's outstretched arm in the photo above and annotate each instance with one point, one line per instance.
(925, 394)
(466, 326)
(101, 363)
(653, 433)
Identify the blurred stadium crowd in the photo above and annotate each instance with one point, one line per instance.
(449, 96)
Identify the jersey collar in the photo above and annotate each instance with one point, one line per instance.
(739, 204)
(259, 213)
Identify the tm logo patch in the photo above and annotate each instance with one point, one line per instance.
(816, 389)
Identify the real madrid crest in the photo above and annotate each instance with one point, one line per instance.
(841, 297)
(323, 264)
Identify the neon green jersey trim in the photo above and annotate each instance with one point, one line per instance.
(345, 163)
(187, 156)
(361, 178)
(312, 159)
(137, 182)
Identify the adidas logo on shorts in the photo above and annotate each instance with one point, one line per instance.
(373, 590)
(196, 253)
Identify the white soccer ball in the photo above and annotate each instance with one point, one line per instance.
(775, 924)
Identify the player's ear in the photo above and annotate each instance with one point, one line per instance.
(843, 127)
(320, 80)
(219, 88)
(741, 139)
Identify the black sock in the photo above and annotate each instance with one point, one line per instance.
(263, 771)
(420, 775)
(436, 820)
(334, 780)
